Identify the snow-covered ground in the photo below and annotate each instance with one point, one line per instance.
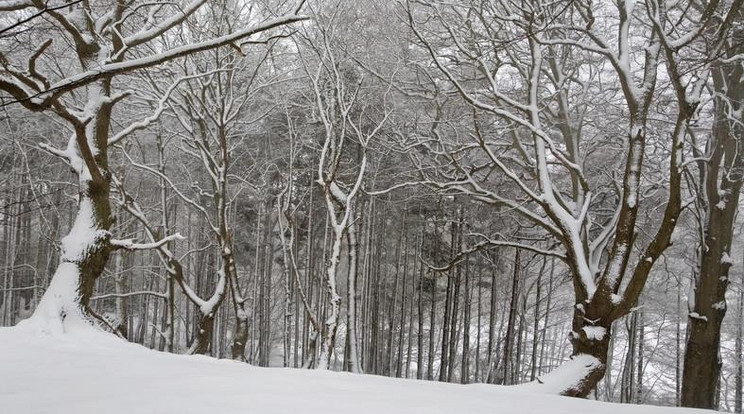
(92, 372)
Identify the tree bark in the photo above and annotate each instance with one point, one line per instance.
(508, 342)
(723, 181)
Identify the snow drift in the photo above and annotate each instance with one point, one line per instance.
(85, 371)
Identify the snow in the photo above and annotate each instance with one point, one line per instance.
(207, 307)
(614, 272)
(720, 305)
(695, 315)
(129, 244)
(594, 332)
(726, 259)
(57, 312)
(90, 372)
(84, 235)
(109, 69)
(565, 376)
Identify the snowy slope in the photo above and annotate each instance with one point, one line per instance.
(91, 372)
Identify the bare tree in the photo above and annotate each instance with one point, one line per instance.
(535, 138)
(721, 169)
(109, 39)
(348, 126)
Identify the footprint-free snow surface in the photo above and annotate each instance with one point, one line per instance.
(92, 372)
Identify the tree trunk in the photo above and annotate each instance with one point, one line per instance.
(420, 332)
(723, 181)
(454, 311)
(203, 335)
(639, 369)
(589, 359)
(465, 371)
(402, 320)
(328, 337)
(508, 342)
(738, 351)
(491, 357)
(536, 325)
(352, 334)
(85, 251)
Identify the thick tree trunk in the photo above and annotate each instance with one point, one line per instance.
(203, 335)
(589, 358)
(702, 364)
(85, 251)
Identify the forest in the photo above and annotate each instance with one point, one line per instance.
(504, 192)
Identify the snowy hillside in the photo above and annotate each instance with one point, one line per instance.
(92, 372)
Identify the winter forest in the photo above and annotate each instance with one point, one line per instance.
(494, 192)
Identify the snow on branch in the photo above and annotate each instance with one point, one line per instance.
(732, 59)
(129, 244)
(150, 32)
(128, 294)
(158, 111)
(14, 5)
(565, 378)
(486, 243)
(112, 69)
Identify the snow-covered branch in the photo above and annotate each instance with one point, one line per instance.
(107, 70)
(129, 244)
